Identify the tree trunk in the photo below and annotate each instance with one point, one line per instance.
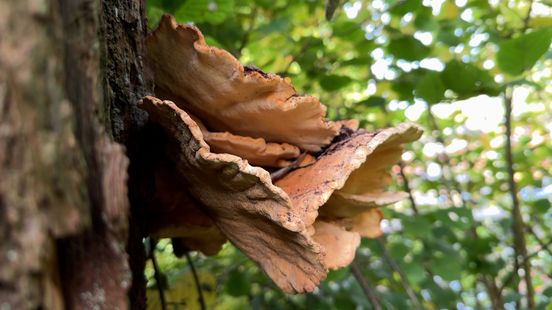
(71, 73)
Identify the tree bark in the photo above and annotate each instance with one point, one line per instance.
(71, 73)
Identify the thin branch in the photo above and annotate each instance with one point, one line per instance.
(520, 247)
(539, 240)
(493, 291)
(444, 161)
(365, 286)
(406, 184)
(510, 277)
(197, 283)
(157, 274)
(395, 267)
(527, 17)
(407, 189)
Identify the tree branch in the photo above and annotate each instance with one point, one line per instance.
(395, 267)
(543, 245)
(520, 247)
(407, 189)
(493, 291)
(197, 282)
(510, 277)
(157, 274)
(365, 286)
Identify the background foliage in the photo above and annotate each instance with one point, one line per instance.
(476, 74)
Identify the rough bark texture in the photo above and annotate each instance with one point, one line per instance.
(123, 32)
(68, 69)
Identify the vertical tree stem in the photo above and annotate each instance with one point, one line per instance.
(407, 189)
(451, 184)
(395, 267)
(197, 283)
(157, 274)
(365, 285)
(520, 247)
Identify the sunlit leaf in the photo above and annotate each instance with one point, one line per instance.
(431, 88)
(467, 80)
(334, 82)
(408, 48)
(520, 54)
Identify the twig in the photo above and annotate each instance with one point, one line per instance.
(395, 267)
(527, 17)
(197, 283)
(494, 292)
(450, 181)
(510, 277)
(520, 247)
(157, 274)
(539, 240)
(407, 189)
(366, 288)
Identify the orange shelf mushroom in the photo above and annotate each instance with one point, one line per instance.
(223, 135)
(214, 86)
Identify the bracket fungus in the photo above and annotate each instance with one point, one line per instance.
(226, 128)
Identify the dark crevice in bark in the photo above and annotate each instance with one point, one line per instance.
(126, 80)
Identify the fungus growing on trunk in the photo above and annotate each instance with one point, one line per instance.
(214, 86)
(214, 180)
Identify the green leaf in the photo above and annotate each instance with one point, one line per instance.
(345, 28)
(237, 284)
(404, 6)
(431, 88)
(541, 205)
(398, 250)
(520, 54)
(334, 82)
(467, 80)
(213, 11)
(408, 48)
(414, 272)
(374, 101)
(448, 267)
(343, 301)
(419, 226)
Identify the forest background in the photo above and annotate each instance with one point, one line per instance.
(476, 232)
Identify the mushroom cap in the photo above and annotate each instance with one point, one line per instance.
(213, 85)
(254, 214)
(277, 226)
(339, 243)
(367, 224)
(257, 151)
(355, 165)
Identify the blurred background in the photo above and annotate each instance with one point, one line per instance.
(476, 232)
